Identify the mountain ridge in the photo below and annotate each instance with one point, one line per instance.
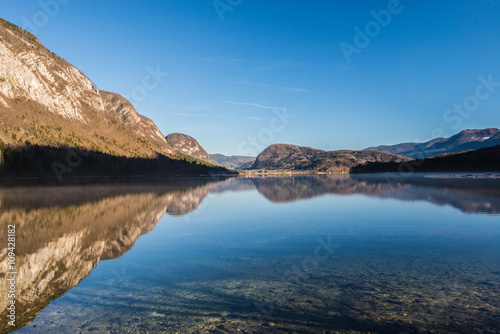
(233, 161)
(47, 101)
(464, 140)
(486, 159)
(56, 122)
(289, 157)
(48, 104)
(189, 146)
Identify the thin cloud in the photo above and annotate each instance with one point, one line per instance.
(278, 64)
(288, 89)
(223, 59)
(255, 105)
(180, 114)
(197, 115)
(253, 84)
(295, 90)
(207, 128)
(254, 118)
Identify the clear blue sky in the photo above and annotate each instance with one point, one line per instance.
(225, 74)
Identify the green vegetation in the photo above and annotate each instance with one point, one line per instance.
(44, 161)
(292, 158)
(30, 37)
(483, 160)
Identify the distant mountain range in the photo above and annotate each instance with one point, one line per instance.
(465, 140)
(234, 161)
(483, 160)
(480, 156)
(49, 109)
(284, 157)
(189, 146)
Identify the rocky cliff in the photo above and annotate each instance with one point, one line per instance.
(189, 146)
(120, 108)
(45, 100)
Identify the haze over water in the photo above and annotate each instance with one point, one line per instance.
(304, 254)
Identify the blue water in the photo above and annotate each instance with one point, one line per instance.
(411, 258)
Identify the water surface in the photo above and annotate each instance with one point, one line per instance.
(304, 254)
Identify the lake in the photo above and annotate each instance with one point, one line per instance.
(283, 254)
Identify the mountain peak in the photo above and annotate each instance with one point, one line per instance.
(45, 100)
(19, 32)
(492, 130)
(307, 159)
(189, 146)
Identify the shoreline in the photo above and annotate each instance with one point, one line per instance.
(83, 180)
(494, 175)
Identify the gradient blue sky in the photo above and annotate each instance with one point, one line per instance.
(283, 54)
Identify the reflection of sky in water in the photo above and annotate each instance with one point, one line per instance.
(397, 266)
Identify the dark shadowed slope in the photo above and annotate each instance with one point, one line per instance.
(482, 160)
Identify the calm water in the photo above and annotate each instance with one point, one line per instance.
(308, 254)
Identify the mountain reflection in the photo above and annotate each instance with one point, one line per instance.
(467, 195)
(63, 232)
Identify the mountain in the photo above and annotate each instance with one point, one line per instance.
(234, 161)
(465, 140)
(189, 146)
(483, 160)
(120, 108)
(286, 157)
(45, 100)
(55, 121)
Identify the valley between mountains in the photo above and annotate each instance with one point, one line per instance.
(56, 123)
